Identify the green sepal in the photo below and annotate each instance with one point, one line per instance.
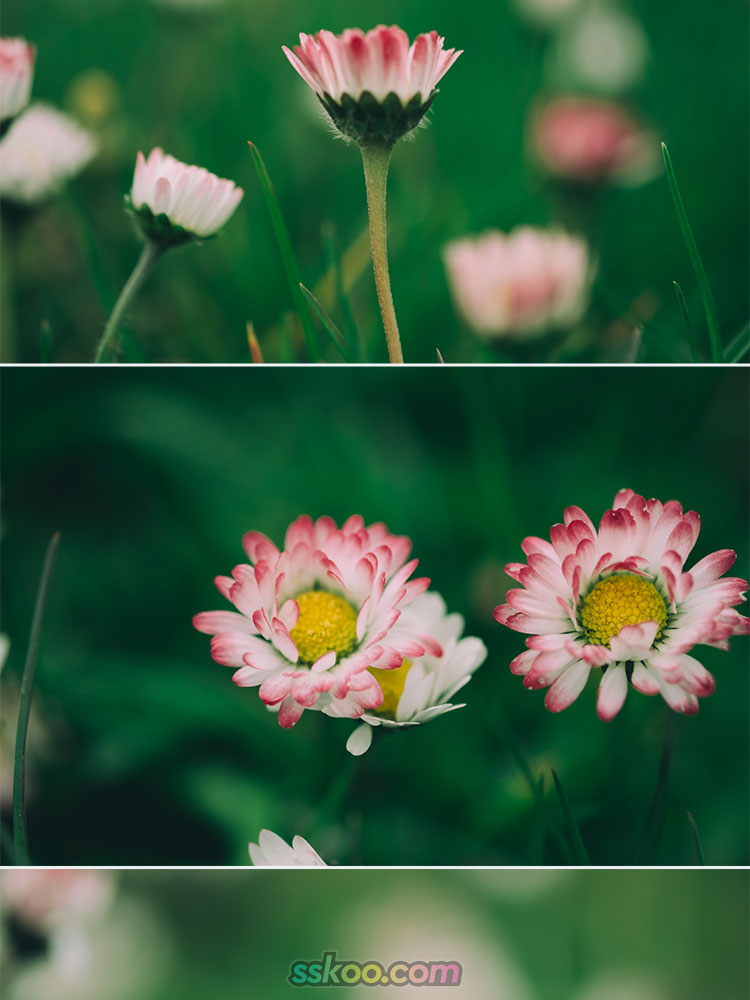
(159, 229)
(368, 120)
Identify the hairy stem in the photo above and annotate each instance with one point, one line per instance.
(376, 159)
(107, 348)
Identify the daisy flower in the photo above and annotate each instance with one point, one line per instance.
(312, 618)
(41, 151)
(273, 852)
(16, 74)
(375, 87)
(521, 283)
(617, 600)
(175, 202)
(421, 688)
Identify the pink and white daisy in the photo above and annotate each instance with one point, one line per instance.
(617, 599)
(374, 85)
(520, 283)
(312, 618)
(44, 898)
(41, 151)
(16, 74)
(273, 852)
(586, 139)
(421, 688)
(169, 195)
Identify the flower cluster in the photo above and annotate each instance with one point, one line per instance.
(616, 599)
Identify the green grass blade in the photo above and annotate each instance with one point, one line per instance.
(287, 256)
(697, 846)
(20, 835)
(538, 825)
(334, 267)
(441, 359)
(45, 342)
(579, 848)
(709, 306)
(688, 322)
(738, 346)
(658, 805)
(336, 335)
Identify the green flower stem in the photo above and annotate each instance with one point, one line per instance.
(376, 158)
(150, 254)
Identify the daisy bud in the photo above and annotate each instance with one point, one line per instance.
(273, 852)
(16, 74)
(587, 140)
(174, 202)
(42, 150)
(522, 284)
(374, 86)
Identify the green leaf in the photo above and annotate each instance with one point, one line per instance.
(697, 847)
(709, 306)
(574, 834)
(287, 256)
(738, 346)
(688, 322)
(336, 335)
(20, 833)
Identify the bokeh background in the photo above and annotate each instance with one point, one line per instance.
(520, 935)
(200, 77)
(146, 753)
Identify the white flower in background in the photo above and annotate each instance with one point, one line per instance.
(421, 688)
(602, 47)
(190, 198)
(44, 898)
(521, 283)
(41, 151)
(545, 13)
(271, 851)
(415, 924)
(16, 75)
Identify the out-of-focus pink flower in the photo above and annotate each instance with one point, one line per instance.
(16, 74)
(272, 851)
(41, 151)
(313, 617)
(587, 139)
(45, 898)
(617, 599)
(192, 199)
(521, 283)
(355, 74)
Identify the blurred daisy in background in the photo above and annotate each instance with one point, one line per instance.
(523, 284)
(421, 688)
(42, 150)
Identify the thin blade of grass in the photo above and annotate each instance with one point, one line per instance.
(334, 266)
(45, 342)
(538, 825)
(579, 848)
(697, 846)
(738, 346)
(688, 322)
(336, 335)
(20, 833)
(441, 360)
(256, 355)
(287, 255)
(657, 806)
(709, 306)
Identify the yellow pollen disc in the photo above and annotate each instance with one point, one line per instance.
(616, 601)
(392, 685)
(326, 621)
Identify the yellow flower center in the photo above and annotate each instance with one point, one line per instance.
(619, 600)
(392, 685)
(326, 621)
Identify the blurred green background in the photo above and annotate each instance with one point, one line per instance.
(519, 935)
(202, 82)
(153, 756)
